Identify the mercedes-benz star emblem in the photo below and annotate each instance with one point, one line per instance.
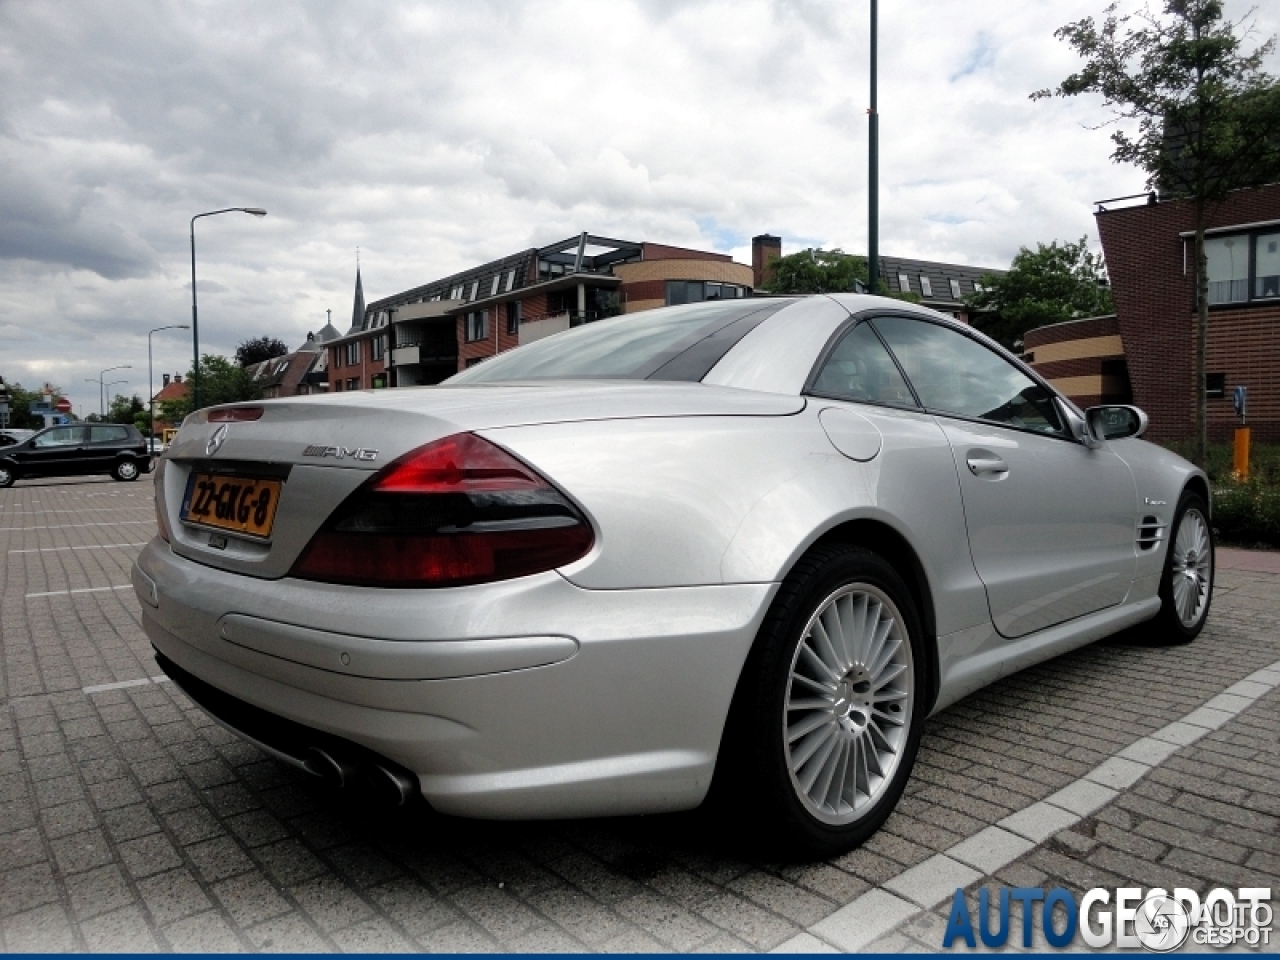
(215, 441)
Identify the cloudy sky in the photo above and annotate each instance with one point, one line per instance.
(434, 136)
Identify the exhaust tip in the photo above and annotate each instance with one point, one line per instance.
(328, 768)
(392, 786)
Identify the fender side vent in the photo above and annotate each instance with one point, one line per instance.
(1150, 533)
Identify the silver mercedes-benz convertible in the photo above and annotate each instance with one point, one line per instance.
(738, 549)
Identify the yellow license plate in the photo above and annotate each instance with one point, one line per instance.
(244, 505)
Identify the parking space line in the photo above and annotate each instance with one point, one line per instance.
(91, 546)
(880, 911)
(63, 593)
(77, 526)
(123, 684)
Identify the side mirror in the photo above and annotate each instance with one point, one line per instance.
(1078, 426)
(1116, 422)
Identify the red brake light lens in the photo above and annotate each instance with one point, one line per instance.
(234, 414)
(457, 511)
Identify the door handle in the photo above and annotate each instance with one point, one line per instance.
(981, 465)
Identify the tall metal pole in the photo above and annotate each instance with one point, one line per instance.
(151, 380)
(873, 172)
(195, 326)
(195, 323)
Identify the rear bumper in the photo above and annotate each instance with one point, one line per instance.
(528, 698)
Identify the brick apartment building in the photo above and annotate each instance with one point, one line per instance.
(1147, 351)
(426, 334)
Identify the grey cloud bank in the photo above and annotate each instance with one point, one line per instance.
(433, 136)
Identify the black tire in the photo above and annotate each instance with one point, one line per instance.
(1169, 626)
(755, 783)
(125, 470)
(8, 476)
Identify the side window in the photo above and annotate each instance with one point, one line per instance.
(108, 434)
(860, 368)
(953, 374)
(60, 437)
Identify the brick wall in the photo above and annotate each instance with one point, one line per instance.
(1155, 303)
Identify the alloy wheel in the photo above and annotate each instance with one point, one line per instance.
(850, 695)
(1192, 572)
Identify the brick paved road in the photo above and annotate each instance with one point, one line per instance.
(129, 821)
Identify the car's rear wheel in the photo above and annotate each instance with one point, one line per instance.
(828, 718)
(1186, 586)
(7, 476)
(125, 470)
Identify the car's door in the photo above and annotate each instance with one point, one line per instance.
(51, 453)
(1051, 522)
(105, 444)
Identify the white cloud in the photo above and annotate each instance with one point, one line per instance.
(437, 135)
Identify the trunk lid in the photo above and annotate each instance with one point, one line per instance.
(320, 449)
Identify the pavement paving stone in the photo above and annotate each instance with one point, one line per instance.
(130, 820)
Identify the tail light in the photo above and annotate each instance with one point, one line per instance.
(457, 511)
(162, 522)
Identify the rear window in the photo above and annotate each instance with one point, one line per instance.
(637, 346)
(108, 434)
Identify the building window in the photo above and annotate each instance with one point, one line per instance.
(1215, 385)
(511, 279)
(337, 386)
(378, 348)
(904, 283)
(513, 318)
(1266, 266)
(353, 353)
(1228, 269)
(472, 361)
(471, 295)
(925, 286)
(477, 325)
(337, 357)
(695, 291)
(379, 381)
(493, 287)
(955, 288)
(456, 293)
(353, 383)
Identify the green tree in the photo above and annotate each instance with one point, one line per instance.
(222, 380)
(817, 271)
(125, 409)
(257, 349)
(1206, 117)
(824, 271)
(1047, 285)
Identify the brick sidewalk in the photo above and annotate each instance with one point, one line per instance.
(129, 821)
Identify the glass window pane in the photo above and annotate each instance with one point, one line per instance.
(617, 347)
(108, 434)
(861, 369)
(677, 293)
(1228, 269)
(1266, 269)
(60, 437)
(953, 374)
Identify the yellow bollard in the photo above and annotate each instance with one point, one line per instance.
(1241, 460)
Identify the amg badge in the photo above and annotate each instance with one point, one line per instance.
(339, 453)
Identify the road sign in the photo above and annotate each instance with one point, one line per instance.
(63, 405)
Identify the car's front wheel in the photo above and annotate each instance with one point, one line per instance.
(7, 476)
(829, 720)
(125, 470)
(1186, 585)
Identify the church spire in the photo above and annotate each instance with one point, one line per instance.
(357, 305)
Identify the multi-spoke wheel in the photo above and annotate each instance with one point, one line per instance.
(7, 476)
(1186, 588)
(849, 698)
(125, 470)
(826, 720)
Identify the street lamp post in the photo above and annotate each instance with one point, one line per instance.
(107, 387)
(195, 326)
(102, 409)
(151, 380)
(873, 172)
